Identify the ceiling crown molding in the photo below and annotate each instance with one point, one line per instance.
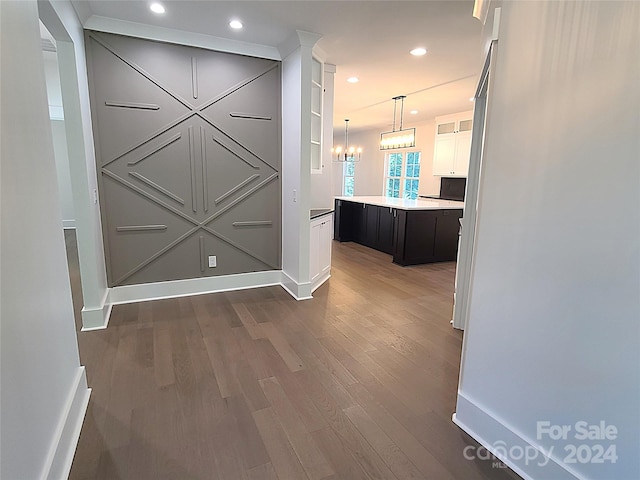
(180, 37)
(300, 38)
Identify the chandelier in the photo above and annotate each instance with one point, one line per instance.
(349, 153)
(402, 138)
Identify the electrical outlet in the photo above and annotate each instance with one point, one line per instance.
(213, 261)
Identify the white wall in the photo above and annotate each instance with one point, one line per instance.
(54, 94)
(62, 173)
(296, 163)
(43, 388)
(61, 20)
(291, 145)
(56, 114)
(369, 171)
(553, 332)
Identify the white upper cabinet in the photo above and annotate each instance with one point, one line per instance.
(316, 115)
(452, 145)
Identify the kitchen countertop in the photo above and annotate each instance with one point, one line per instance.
(406, 204)
(319, 212)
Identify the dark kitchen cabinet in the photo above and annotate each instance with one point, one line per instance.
(427, 236)
(386, 229)
(447, 234)
(359, 223)
(411, 236)
(370, 225)
(343, 228)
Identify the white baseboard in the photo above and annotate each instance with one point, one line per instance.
(63, 449)
(193, 286)
(490, 432)
(97, 318)
(318, 283)
(299, 291)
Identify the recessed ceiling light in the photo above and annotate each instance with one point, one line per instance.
(418, 52)
(413, 112)
(353, 79)
(235, 24)
(156, 8)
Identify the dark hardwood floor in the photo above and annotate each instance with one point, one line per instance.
(358, 383)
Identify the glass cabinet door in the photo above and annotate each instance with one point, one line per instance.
(444, 128)
(316, 116)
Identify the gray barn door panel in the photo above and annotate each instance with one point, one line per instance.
(188, 150)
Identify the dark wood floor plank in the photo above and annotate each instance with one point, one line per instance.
(438, 394)
(250, 385)
(169, 434)
(162, 356)
(361, 339)
(228, 462)
(448, 444)
(282, 346)
(221, 358)
(327, 370)
(258, 310)
(384, 446)
(141, 451)
(262, 472)
(426, 463)
(312, 460)
(120, 395)
(252, 352)
(434, 343)
(357, 384)
(350, 439)
(406, 394)
(253, 327)
(296, 392)
(250, 442)
(281, 453)
(340, 459)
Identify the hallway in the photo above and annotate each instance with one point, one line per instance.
(358, 383)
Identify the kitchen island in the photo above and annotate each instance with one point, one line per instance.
(412, 231)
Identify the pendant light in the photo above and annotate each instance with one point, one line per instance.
(401, 138)
(349, 153)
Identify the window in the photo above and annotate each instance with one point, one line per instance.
(402, 174)
(349, 170)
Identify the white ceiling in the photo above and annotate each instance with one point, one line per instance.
(367, 39)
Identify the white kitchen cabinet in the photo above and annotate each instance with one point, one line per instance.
(320, 250)
(452, 145)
